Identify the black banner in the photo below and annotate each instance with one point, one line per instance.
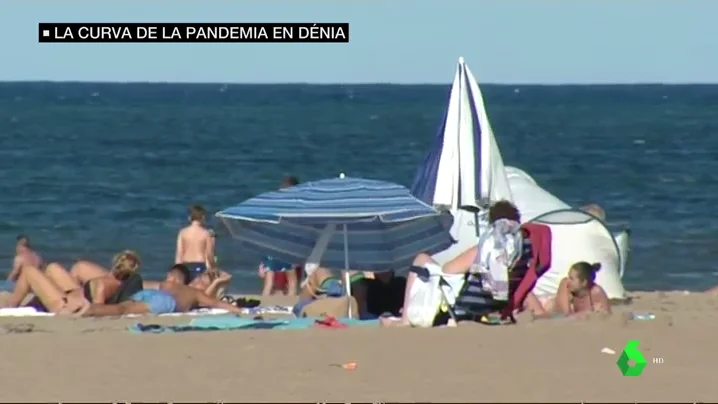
(193, 32)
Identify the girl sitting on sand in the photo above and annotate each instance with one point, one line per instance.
(579, 293)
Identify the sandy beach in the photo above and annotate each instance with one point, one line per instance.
(67, 359)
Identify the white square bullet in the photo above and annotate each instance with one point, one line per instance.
(45, 32)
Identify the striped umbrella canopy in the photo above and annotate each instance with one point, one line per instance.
(354, 223)
(464, 165)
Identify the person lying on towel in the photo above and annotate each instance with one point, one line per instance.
(61, 296)
(322, 283)
(169, 296)
(106, 287)
(475, 299)
(99, 284)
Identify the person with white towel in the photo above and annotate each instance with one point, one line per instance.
(493, 268)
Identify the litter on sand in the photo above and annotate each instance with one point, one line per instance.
(643, 316)
(346, 366)
(608, 351)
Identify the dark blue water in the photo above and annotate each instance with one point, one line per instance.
(89, 169)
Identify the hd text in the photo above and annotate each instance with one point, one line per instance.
(193, 32)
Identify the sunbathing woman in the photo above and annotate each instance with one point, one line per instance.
(579, 293)
(64, 297)
(98, 283)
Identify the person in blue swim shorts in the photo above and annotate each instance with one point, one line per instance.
(169, 296)
(157, 301)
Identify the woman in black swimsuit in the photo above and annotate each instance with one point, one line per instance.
(98, 284)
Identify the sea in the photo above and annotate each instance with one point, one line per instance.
(89, 169)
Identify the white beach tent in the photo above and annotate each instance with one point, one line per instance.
(576, 236)
(463, 171)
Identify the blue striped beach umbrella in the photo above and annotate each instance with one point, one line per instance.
(340, 223)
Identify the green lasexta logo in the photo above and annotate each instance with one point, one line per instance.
(631, 352)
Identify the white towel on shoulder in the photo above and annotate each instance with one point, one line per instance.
(499, 249)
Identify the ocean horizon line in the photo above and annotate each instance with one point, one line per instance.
(368, 84)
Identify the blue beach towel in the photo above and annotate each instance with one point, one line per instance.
(232, 323)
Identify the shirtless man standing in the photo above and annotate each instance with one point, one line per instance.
(195, 249)
(194, 244)
(25, 255)
(169, 296)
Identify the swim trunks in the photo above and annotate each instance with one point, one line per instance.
(195, 269)
(158, 301)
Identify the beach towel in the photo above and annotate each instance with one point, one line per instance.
(23, 312)
(32, 312)
(261, 310)
(233, 323)
(498, 249)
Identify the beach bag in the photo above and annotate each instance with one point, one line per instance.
(424, 302)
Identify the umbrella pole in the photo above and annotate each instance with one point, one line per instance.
(347, 284)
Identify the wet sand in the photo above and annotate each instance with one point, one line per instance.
(68, 359)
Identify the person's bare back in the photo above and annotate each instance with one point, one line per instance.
(595, 300)
(194, 242)
(187, 298)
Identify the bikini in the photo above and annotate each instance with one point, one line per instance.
(590, 298)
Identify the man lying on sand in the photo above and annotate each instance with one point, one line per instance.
(169, 296)
(195, 249)
(25, 255)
